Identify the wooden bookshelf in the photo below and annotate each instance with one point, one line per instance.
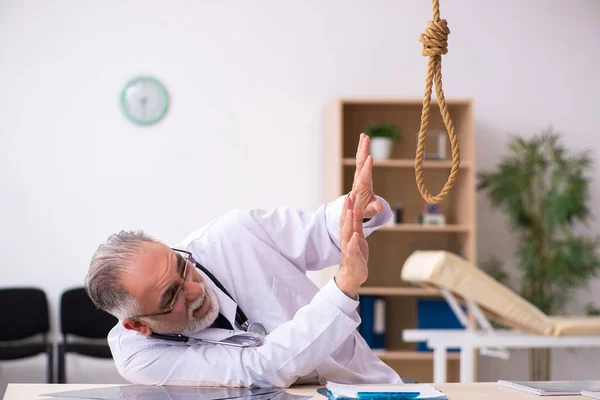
(394, 180)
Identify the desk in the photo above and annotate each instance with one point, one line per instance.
(441, 340)
(454, 391)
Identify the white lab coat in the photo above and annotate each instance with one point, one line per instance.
(261, 258)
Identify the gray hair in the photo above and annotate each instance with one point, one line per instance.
(110, 261)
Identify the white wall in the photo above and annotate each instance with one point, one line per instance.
(249, 81)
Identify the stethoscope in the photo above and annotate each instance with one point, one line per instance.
(240, 319)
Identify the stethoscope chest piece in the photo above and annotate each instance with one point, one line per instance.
(255, 327)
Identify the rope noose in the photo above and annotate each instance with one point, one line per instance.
(435, 43)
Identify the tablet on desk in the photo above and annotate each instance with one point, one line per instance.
(591, 394)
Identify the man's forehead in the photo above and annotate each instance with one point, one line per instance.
(147, 267)
(154, 248)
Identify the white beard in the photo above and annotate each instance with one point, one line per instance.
(194, 324)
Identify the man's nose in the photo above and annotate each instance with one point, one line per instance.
(192, 290)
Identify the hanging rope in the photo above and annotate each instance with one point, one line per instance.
(435, 43)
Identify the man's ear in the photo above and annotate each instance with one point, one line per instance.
(137, 325)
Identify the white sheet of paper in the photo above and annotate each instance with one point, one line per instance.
(351, 391)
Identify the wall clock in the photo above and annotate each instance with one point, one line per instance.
(144, 100)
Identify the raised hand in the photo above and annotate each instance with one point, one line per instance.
(362, 186)
(353, 271)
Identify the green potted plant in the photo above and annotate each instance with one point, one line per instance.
(382, 137)
(543, 191)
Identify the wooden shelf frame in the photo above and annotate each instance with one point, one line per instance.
(406, 227)
(413, 355)
(397, 291)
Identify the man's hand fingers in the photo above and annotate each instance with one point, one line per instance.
(347, 229)
(358, 153)
(345, 208)
(363, 257)
(357, 222)
(363, 152)
(365, 147)
(356, 253)
(366, 172)
(353, 248)
(359, 147)
(363, 246)
(375, 207)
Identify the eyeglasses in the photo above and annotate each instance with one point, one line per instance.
(171, 304)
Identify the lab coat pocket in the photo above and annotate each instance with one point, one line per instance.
(282, 303)
(346, 353)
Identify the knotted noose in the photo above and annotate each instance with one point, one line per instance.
(435, 43)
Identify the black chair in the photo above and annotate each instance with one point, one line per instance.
(23, 316)
(82, 325)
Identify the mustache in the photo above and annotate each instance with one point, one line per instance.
(198, 302)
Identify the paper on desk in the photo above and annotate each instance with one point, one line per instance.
(352, 391)
(553, 388)
(149, 392)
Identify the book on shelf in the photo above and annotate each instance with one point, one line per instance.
(436, 314)
(372, 326)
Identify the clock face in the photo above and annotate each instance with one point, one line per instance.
(144, 100)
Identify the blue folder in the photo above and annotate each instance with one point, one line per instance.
(435, 314)
(372, 326)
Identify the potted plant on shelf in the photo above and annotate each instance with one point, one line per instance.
(382, 137)
(543, 191)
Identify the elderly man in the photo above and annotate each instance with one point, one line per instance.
(232, 305)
